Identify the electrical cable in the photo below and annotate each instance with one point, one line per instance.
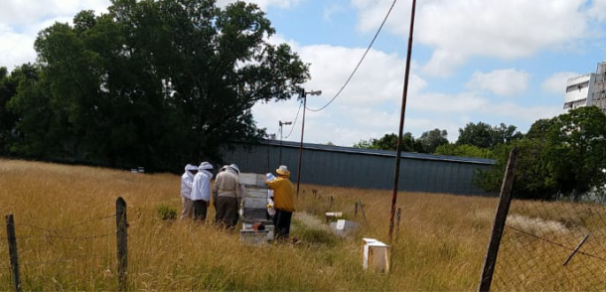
(359, 63)
(295, 122)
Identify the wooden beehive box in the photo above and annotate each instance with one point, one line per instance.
(376, 255)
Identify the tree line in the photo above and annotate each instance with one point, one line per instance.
(156, 83)
(564, 156)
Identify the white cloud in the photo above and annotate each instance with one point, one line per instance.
(15, 48)
(19, 13)
(330, 10)
(504, 82)
(598, 10)
(556, 83)
(376, 81)
(459, 29)
(444, 63)
(369, 107)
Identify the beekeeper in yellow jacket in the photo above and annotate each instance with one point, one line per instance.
(284, 202)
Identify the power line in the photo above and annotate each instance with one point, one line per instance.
(359, 63)
(295, 122)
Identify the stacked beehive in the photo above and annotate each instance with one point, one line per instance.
(255, 210)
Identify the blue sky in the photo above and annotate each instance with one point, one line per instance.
(473, 60)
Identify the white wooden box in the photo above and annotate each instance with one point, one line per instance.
(376, 255)
(252, 179)
(255, 203)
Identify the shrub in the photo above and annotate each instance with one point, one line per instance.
(166, 212)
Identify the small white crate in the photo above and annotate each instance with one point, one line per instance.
(376, 255)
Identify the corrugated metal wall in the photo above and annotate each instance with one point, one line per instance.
(360, 170)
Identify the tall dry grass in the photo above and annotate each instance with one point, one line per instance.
(440, 245)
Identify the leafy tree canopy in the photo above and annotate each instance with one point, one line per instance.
(463, 150)
(390, 141)
(433, 139)
(153, 82)
(563, 156)
(485, 136)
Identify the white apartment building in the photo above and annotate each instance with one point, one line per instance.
(587, 90)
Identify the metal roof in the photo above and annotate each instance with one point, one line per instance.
(389, 153)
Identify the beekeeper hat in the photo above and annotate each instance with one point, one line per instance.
(205, 166)
(190, 167)
(235, 167)
(283, 170)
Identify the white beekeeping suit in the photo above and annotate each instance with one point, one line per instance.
(200, 192)
(201, 184)
(187, 181)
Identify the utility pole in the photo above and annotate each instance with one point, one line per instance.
(401, 129)
(281, 136)
(269, 137)
(304, 96)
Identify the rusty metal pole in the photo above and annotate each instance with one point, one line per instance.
(301, 146)
(401, 129)
(280, 156)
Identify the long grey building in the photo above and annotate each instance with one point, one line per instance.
(362, 168)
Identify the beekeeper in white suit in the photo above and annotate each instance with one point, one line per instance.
(200, 193)
(187, 181)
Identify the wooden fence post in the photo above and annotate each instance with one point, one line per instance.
(363, 212)
(330, 206)
(356, 210)
(499, 223)
(12, 250)
(122, 241)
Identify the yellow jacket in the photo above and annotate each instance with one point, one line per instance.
(283, 194)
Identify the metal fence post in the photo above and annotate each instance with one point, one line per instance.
(398, 216)
(499, 223)
(12, 250)
(122, 241)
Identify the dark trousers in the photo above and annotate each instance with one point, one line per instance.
(227, 211)
(282, 224)
(200, 210)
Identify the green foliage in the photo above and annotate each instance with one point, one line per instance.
(563, 156)
(154, 83)
(389, 142)
(485, 136)
(433, 139)
(166, 212)
(464, 151)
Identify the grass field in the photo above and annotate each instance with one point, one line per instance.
(440, 245)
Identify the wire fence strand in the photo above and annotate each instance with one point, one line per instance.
(69, 259)
(552, 245)
(65, 228)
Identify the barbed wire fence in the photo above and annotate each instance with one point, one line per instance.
(555, 245)
(43, 249)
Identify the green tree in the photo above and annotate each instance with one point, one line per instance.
(577, 150)
(155, 82)
(433, 139)
(463, 150)
(485, 136)
(8, 120)
(563, 156)
(389, 142)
